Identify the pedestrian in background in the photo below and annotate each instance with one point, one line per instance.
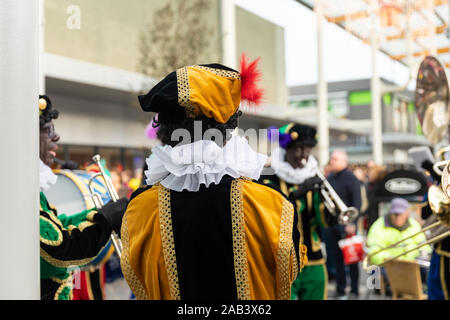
(348, 188)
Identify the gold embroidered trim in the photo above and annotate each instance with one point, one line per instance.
(167, 241)
(53, 243)
(284, 251)
(303, 256)
(315, 243)
(66, 283)
(83, 225)
(90, 216)
(299, 221)
(239, 246)
(128, 272)
(70, 228)
(59, 280)
(221, 72)
(54, 218)
(295, 269)
(322, 214)
(184, 93)
(65, 263)
(325, 286)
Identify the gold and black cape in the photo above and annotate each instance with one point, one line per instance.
(233, 240)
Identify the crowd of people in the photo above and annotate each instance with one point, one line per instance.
(204, 208)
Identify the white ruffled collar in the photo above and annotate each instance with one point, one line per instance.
(286, 172)
(188, 166)
(46, 176)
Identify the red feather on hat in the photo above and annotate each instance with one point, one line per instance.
(250, 75)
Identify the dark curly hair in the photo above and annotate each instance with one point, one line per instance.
(48, 114)
(166, 130)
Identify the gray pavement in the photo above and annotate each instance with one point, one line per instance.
(366, 282)
(119, 290)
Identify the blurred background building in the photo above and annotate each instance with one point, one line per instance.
(349, 104)
(99, 55)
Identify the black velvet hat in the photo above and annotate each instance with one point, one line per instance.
(212, 90)
(294, 133)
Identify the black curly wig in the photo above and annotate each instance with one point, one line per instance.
(48, 114)
(166, 130)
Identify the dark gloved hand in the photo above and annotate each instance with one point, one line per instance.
(113, 213)
(310, 184)
(71, 165)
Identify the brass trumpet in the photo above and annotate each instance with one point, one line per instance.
(334, 203)
(99, 202)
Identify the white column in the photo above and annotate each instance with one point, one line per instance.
(41, 47)
(322, 92)
(377, 142)
(19, 142)
(228, 33)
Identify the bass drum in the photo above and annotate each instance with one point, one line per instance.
(70, 195)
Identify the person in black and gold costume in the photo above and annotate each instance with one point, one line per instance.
(203, 228)
(295, 174)
(66, 241)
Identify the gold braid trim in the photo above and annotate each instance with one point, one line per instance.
(295, 269)
(53, 243)
(54, 218)
(70, 228)
(83, 225)
(90, 216)
(66, 283)
(284, 251)
(239, 246)
(128, 272)
(184, 94)
(167, 241)
(303, 256)
(220, 72)
(183, 88)
(66, 263)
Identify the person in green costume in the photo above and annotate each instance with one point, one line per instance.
(66, 242)
(295, 171)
